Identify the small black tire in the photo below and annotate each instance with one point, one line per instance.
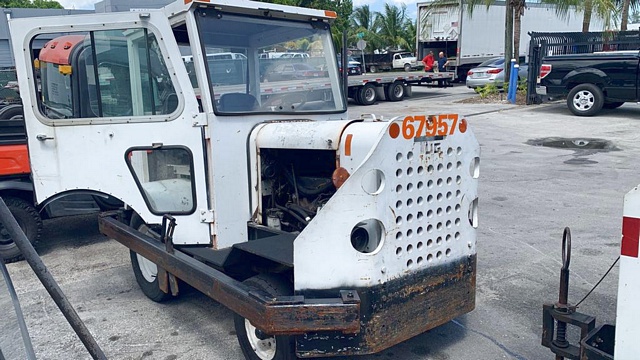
(356, 95)
(612, 105)
(367, 95)
(585, 100)
(144, 269)
(373, 69)
(395, 91)
(256, 345)
(12, 112)
(407, 67)
(30, 222)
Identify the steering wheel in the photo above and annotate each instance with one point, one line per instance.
(286, 102)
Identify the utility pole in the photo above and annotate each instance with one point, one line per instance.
(508, 38)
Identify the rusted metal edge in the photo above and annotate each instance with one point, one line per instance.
(275, 316)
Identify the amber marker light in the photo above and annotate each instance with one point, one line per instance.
(330, 14)
(394, 130)
(340, 175)
(463, 126)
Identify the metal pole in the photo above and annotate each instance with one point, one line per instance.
(49, 283)
(28, 347)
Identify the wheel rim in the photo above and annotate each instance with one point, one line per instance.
(265, 349)
(369, 94)
(5, 239)
(583, 100)
(148, 269)
(398, 91)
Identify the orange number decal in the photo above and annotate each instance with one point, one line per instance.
(443, 126)
(455, 123)
(422, 119)
(408, 131)
(432, 126)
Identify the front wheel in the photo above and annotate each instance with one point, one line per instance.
(255, 344)
(30, 222)
(146, 271)
(407, 67)
(585, 100)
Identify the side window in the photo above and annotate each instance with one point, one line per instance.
(165, 176)
(113, 73)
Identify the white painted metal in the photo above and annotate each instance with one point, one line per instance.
(148, 269)
(265, 349)
(422, 192)
(628, 310)
(90, 153)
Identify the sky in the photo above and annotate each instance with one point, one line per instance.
(375, 5)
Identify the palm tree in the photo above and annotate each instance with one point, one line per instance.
(390, 23)
(605, 9)
(363, 20)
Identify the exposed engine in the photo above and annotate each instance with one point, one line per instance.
(295, 186)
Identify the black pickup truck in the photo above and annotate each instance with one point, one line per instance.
(591, 82)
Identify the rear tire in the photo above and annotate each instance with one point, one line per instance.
(373, 69)
(145, 271)
(30, 223)
(256, 345)
(395, 91)
(367, 95)
(585, 100)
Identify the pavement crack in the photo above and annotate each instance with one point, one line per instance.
(497, 343)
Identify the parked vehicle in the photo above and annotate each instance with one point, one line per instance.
(317, 230)
(293, 71)
(492, 72)
(468, 39)
(390, 61)
(591, 82)
(354, 67)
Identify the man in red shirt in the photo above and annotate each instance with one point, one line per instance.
(428, 62)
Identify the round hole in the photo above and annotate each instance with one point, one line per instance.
(399, 204)
(420, 170)
(399, 173)
(448, 224)
(457, 236)
(409, 263)
(420, 230)
(458, 179)
(420, 200)
(439, 197)
(398, 251)
(429, 213)
(458, 207)
(459, 165)
(409, 248)
(440, 167)
(420, 185)
(439, 211)
(458, 193)
(399, 235)
(448, 210)
(448, 238)
(429, 258)
(409, 155)
(429, 243)
(409, 233)
(399, 220)
(410, 171)
(409, 187)
(439, 182)
(449, 151)
(367, 236)
(430, 169)
(399, 157)
(430, 184)
(449, 181)
(449, 195)
(439, 240)
(449, 166)
(373, 182)
(429, 228)
(420, 215)
(410, 218)
(439, 255)
(419, 246)
(439, 226)
(459, 150)
(399, 189)
(430, 198)
(448, 252)
(457, 222)
(419, 260)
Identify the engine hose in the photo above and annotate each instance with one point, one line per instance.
(300, 210)
(305, 190)
(293, 213)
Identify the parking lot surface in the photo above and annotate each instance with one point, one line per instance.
(528, 194)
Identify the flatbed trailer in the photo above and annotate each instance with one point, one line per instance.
(369, 88)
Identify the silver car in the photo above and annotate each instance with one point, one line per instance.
(491, 72)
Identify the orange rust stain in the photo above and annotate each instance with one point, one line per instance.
(463, 125)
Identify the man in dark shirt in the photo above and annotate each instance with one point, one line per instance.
(442, 67)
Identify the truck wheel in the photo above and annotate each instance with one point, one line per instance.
(373, 69)
(356, 95)
(146, 271)
(255, 344)
(12, 112)
(367, 94)
(407, 67)
(30, 223)
(585, 100)
(612, 105)
(395, 91)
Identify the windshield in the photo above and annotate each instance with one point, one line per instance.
(245, 77)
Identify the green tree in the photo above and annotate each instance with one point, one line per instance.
(391, 23)
(605, 9)
(36, 4)
(363, 20)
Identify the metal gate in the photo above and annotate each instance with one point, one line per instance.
(544, 44)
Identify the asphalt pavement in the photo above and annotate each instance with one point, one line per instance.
(528, 194)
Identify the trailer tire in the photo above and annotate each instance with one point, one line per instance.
(256, 345)
(355, 95)
(407, 67)
(367, 95)
(373, 69)
(585, 99)
(12, 112)
(395, 91)
(145, 270)
(30, 223)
